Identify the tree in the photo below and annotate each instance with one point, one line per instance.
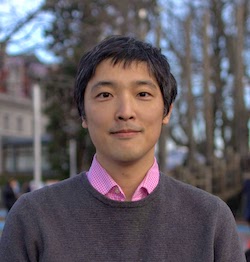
(208, 104)
(211, 112)
(13, 30)
(77, 26)
(240, 130)
(14, 24)
(190, 98)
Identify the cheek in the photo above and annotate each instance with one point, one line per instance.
(155, 122)
(95, 134)
(154, 125)
(97, 125)
(154, 116)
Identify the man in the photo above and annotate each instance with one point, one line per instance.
(10, 193)
(123, 208)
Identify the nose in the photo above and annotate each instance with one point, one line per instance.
(125, 108)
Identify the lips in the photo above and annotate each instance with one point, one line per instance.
(125, 133)
(129, 128)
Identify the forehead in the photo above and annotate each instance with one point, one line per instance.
(108, 66)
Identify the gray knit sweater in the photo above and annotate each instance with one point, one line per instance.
(71, 221)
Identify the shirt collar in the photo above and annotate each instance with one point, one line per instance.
(104, 183)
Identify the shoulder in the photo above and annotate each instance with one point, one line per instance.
(183, 194)
(56, 187)
(60, 192)
(183, 189)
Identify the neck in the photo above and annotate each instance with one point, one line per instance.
(127, 175)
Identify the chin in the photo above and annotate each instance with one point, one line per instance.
(127, 158)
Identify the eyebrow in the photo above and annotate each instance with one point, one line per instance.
(145, 82)
(135, 83)
(102, 83)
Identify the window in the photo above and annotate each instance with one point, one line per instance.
(6, 122)
(19, 123)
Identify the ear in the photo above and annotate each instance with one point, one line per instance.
(167, 117)
(84, 122)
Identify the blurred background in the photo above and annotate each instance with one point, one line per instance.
(207, 143)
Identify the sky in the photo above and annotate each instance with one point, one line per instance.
(12, 11)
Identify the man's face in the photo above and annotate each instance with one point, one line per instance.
(124, 113)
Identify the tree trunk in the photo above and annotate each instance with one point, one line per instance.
(208, 108)
(190, 98)
(240, 116)
(162, 150)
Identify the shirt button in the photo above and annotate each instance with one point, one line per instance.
(117, 191)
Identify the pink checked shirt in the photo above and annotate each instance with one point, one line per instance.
(103, 182)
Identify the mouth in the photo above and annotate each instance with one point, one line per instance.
(125, 133)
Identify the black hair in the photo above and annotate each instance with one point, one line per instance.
(127, 50)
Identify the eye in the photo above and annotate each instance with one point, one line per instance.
(103, 95)
(144, 94)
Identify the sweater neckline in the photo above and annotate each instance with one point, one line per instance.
(127, 204)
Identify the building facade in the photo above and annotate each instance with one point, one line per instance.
(16, 115)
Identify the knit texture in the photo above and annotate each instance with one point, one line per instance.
(71, 221)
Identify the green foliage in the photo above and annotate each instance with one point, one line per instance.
(77, 26)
